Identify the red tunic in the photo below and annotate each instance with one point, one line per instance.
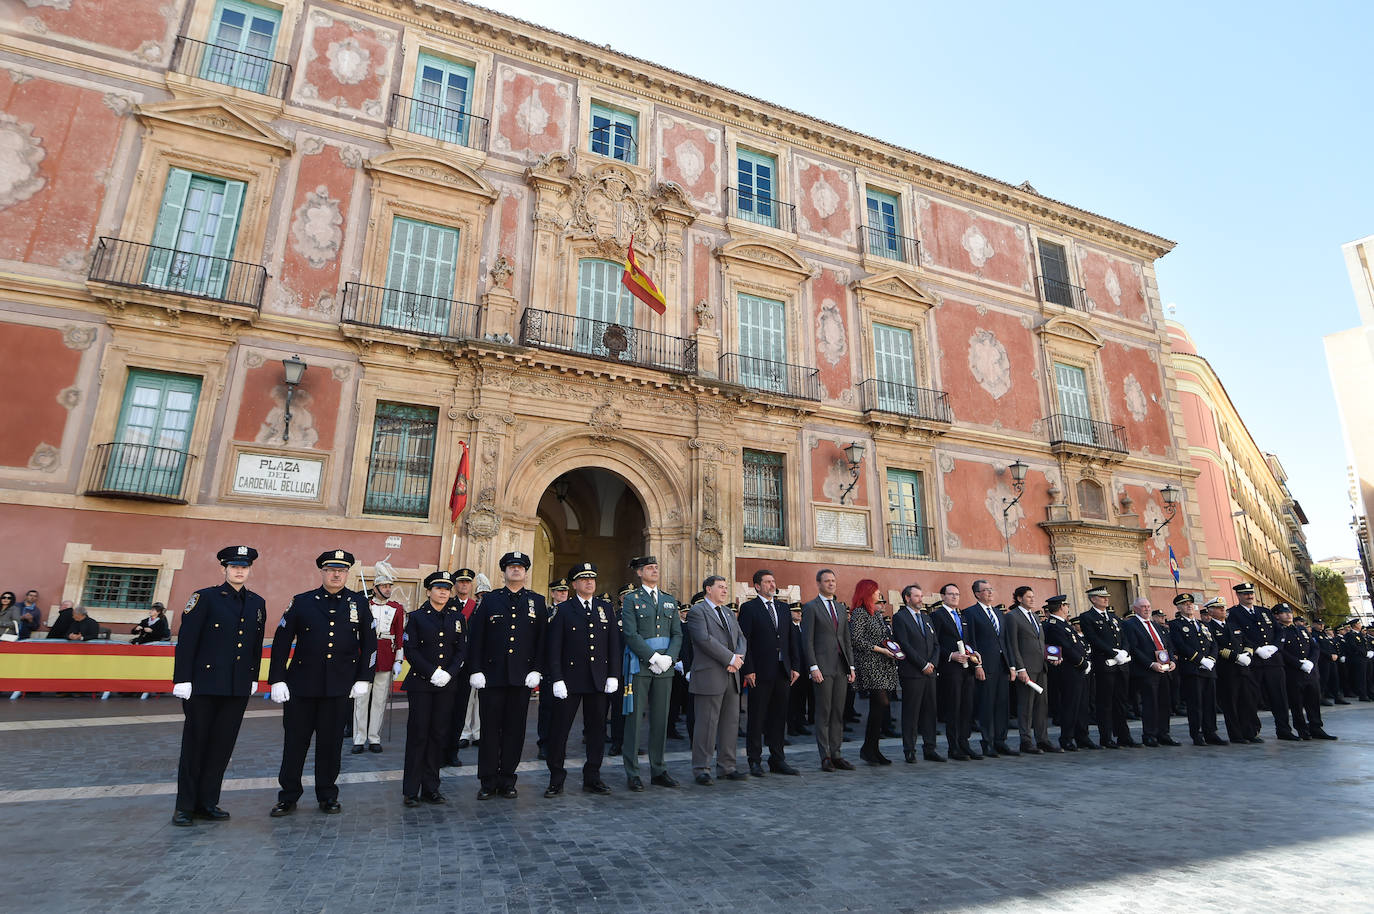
(388, 640)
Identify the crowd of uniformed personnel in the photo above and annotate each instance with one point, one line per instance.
(630, 663)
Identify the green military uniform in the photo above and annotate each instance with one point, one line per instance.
(645, 617)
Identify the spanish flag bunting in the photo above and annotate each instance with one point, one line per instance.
(640, 285)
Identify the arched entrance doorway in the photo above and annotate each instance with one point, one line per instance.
(588, 515)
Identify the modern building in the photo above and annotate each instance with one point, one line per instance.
(1356, 584)
(1350, 360)
(1251, 522)
(269, 267)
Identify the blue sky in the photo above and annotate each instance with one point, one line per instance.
(1242, 131)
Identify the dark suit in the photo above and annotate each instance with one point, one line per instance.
(1069, 679)
(716, 640)
(1102, 629)
(826, 646)
(773, 655)
(1258, 628)
(1149, 683)
(434, 640)
(1304, 688)
(505, 645)
(992, 697)
(1194, 643)
(1236, 692)
(1023, 643)
(956, 680)
(916, 636)
(584, 650)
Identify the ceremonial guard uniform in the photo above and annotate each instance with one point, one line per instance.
(1197, 660)
(1300, 655)
(1235, 688)
(583, 668)
(218, 655)
(652, 632)
(1261, 634)
(335, 651)
(434, 643)
(1110, 660)
(505, 654)
(390, 618)
(1068, 679)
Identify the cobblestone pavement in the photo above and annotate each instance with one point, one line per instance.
(88, 785)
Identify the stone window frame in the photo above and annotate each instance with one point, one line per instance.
(80, 558)
(923, 464)
(911, 225)
(392, 387)
(795, 483)
(416, 41)
(1068, 243)
(782, 182)
(758, 267)
(589, 94)
(1072, 342)
(197, 28)
(893, 299)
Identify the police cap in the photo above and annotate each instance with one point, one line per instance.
(1181, 598)
(1244, 587)
(237, 555)
(1098, 592)
(464, 574)
(438, 579)
(559, 584)
(335, 558)
(641, 561)
(582, 570)
(514, 558)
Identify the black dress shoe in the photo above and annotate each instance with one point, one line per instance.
(804, 730)
(485, 793)
(411, 801)
(1066, 746)
(464, 743)
(737, 775)
(756, 769)
(889, 733)
(1214, 740)
(1255, 739)
(1109, 744)
(842, 764)
(827, 765)
(910, 755)
(1305, 737)
(435, 798)
(616, 749)
(782, 768)
(1150, 742)
(374, 747)
(357, 749)
(1199, 741)
(674, 734)
(600, 788)
(1048, 747)
(988, 751)
(508, 793)
(1327, 703)
(1087, 744)
(665, 780)
(1289, 737)
(635, 784)
(1168, 741)
(1128, 744)
(704, 779)
(182, 819)
(541, 755)
(1322, 734)
(212, 813)
(453, 761)
(1342, 701)
(552, 791)
(930, 755)
(1004, 749)
(282, 809)
(331, 807)
(1029, 750)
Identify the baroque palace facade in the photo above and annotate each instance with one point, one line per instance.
(401, 224)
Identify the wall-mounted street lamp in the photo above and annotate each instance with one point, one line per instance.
(295, 369)
(1018, 485)
(854, 454)
(1171, 496)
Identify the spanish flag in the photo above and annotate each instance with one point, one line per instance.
(640, 285)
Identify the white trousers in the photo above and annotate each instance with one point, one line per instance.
(368, 710)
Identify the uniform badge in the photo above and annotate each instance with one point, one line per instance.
(670, 605)
(262, 615)
(532, 615)
(601, 613)
(282, 623)
(191, 603)
(353, 614)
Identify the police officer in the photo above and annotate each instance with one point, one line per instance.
(558, 592)
(1235, 687)
(1069, 677)
(335, 651)
(583, 668)
(218, 653)
(505, 654)
(434, 643)
(1261, 633)
(1197, 661)
(1103, 630)
(1300, 654)
(652, 632)
(465, 603)
(1357, 660)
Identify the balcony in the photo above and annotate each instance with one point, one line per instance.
(409, 312)
(139, 471)
(449, 125)
(1058, 292)
(879, 243)
(796, 381)
(910, 541)
(230, 67)
(748, 206)
(606, 341)
(1073, 434)
(129, 264)
(899, 399)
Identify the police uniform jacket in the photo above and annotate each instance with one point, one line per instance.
(506, 636)
(1331, 648)
(434, 640)
(1193, 640)
(1103, 631)
(1298, 645)
(219, 647)
(1227, 635)
(1257, 628)
(584, 647)
(335, 644)
(1073, 647)
(643, 617)
(1354, 647)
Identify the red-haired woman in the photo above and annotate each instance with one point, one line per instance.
(870, 627)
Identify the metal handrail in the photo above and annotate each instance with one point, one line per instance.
(409, 312)
(910, 541)
(904, 400)
(438, 122)
(1075, 430)
(141, 471)
(760, 209)
(1058, 292)
(611, 342)
(881, 243)
(771, 377)
(129, 263)
(230, 67)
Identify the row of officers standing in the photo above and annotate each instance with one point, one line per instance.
(335, 650)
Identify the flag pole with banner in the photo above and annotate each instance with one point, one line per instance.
(639, 283)
(458, 499)
(1173, 568)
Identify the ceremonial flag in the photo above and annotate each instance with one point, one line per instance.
(640, 285)
(458, 499)
(1173, 565)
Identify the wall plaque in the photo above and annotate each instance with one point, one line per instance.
(275, 476)
(842, 527)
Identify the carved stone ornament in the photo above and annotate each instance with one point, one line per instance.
(77, 337)
(482, 522)
(710, 540)
(607, 205)
(45, 457)
(501, 270)
(605, 421)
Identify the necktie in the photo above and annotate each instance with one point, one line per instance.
(720, 614)
(992, 614)
(772, 611)
(958, 623)
(1154, 635)
(586, 607)
(834, 619)
(1031, 616)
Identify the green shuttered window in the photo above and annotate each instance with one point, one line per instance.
(764, 492)
(419, 277)
(401, 464)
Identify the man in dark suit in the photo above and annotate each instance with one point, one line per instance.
(958, 670)
(771, 665)
(718, 652)
(829, 658)
(1110, 661)
(435, 645)
(1300, 654)
(1197, 660)
(1023, 642)
(1235, 690)
(1068, 679)
(915, 634)
(1151, 658)
(1262, 634)
(991, 696)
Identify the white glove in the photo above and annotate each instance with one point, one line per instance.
(1342, 659)
(659, 662)
(396, 668)
(1369, 655)
(1265, 651)
(280, 692)
(1207, 663)
(560, 689)
(1243, 659)
(182, 690)
(1306, 666)
(478, 680)
(679, 667)
(360, 689)
(441, 678)
(1111, 661)
(1122, 656)
(532, 680)
(612, 685)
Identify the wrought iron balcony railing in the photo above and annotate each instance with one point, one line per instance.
(1074, 430)
(772, 377)
(139, 471)
(409, 312)
(608, 341)
(761, 209)
(1061, 293)
(879, 243)
(438, 122)
(916, 402)
(910, 541)
(230, 67)
(128, 263)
